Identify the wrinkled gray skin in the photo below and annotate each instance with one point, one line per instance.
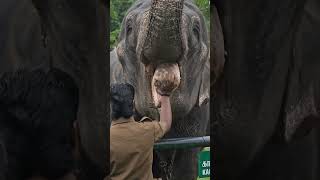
(167, 33)
(76, 33)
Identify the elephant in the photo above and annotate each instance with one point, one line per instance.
(70, 36)
(266, 107)
(167, 33)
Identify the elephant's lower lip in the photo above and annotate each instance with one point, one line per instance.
(169, 72)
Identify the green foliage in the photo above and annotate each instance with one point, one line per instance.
(118, 9)
(114, 37)
(204, 6)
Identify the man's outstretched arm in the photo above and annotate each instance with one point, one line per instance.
(165, 113)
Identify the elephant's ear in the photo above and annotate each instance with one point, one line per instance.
(204, 93)
(117, 74)
(216, 59)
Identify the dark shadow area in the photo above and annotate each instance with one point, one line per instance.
(266, 105)
(70, 36)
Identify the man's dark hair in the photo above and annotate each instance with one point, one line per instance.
(122, 96)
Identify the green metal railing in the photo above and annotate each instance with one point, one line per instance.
(182, 143)
(191, 142)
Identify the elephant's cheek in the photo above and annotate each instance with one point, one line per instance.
(165, 80)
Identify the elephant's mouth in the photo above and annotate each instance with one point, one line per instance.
(165, 79)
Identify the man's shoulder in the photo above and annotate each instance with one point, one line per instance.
(150, 123)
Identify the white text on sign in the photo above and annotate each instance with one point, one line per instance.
(205, 164)
(205, 172)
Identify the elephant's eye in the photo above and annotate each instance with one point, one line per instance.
(128, 28)
(196, 30)
(129, 36)
(129, 24)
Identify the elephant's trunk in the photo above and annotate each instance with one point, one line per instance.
(163, 43)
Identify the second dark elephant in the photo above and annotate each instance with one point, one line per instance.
(268, 97)
(174, 33)
(69, 35)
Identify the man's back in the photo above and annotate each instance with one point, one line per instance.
(131, 145)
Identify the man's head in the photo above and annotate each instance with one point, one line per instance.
(122, 96)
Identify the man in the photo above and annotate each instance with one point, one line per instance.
(37, 112)
(131, 142)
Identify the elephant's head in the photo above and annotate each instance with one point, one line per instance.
(160, 36)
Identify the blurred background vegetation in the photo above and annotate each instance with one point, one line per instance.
(118, 9)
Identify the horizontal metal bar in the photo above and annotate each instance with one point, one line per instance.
(182, 143)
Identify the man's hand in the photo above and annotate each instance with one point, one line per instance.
(166, 79)
(165, 113)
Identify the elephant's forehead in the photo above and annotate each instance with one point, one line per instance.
(141, 8)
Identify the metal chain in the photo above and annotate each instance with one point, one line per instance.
(168, 167)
